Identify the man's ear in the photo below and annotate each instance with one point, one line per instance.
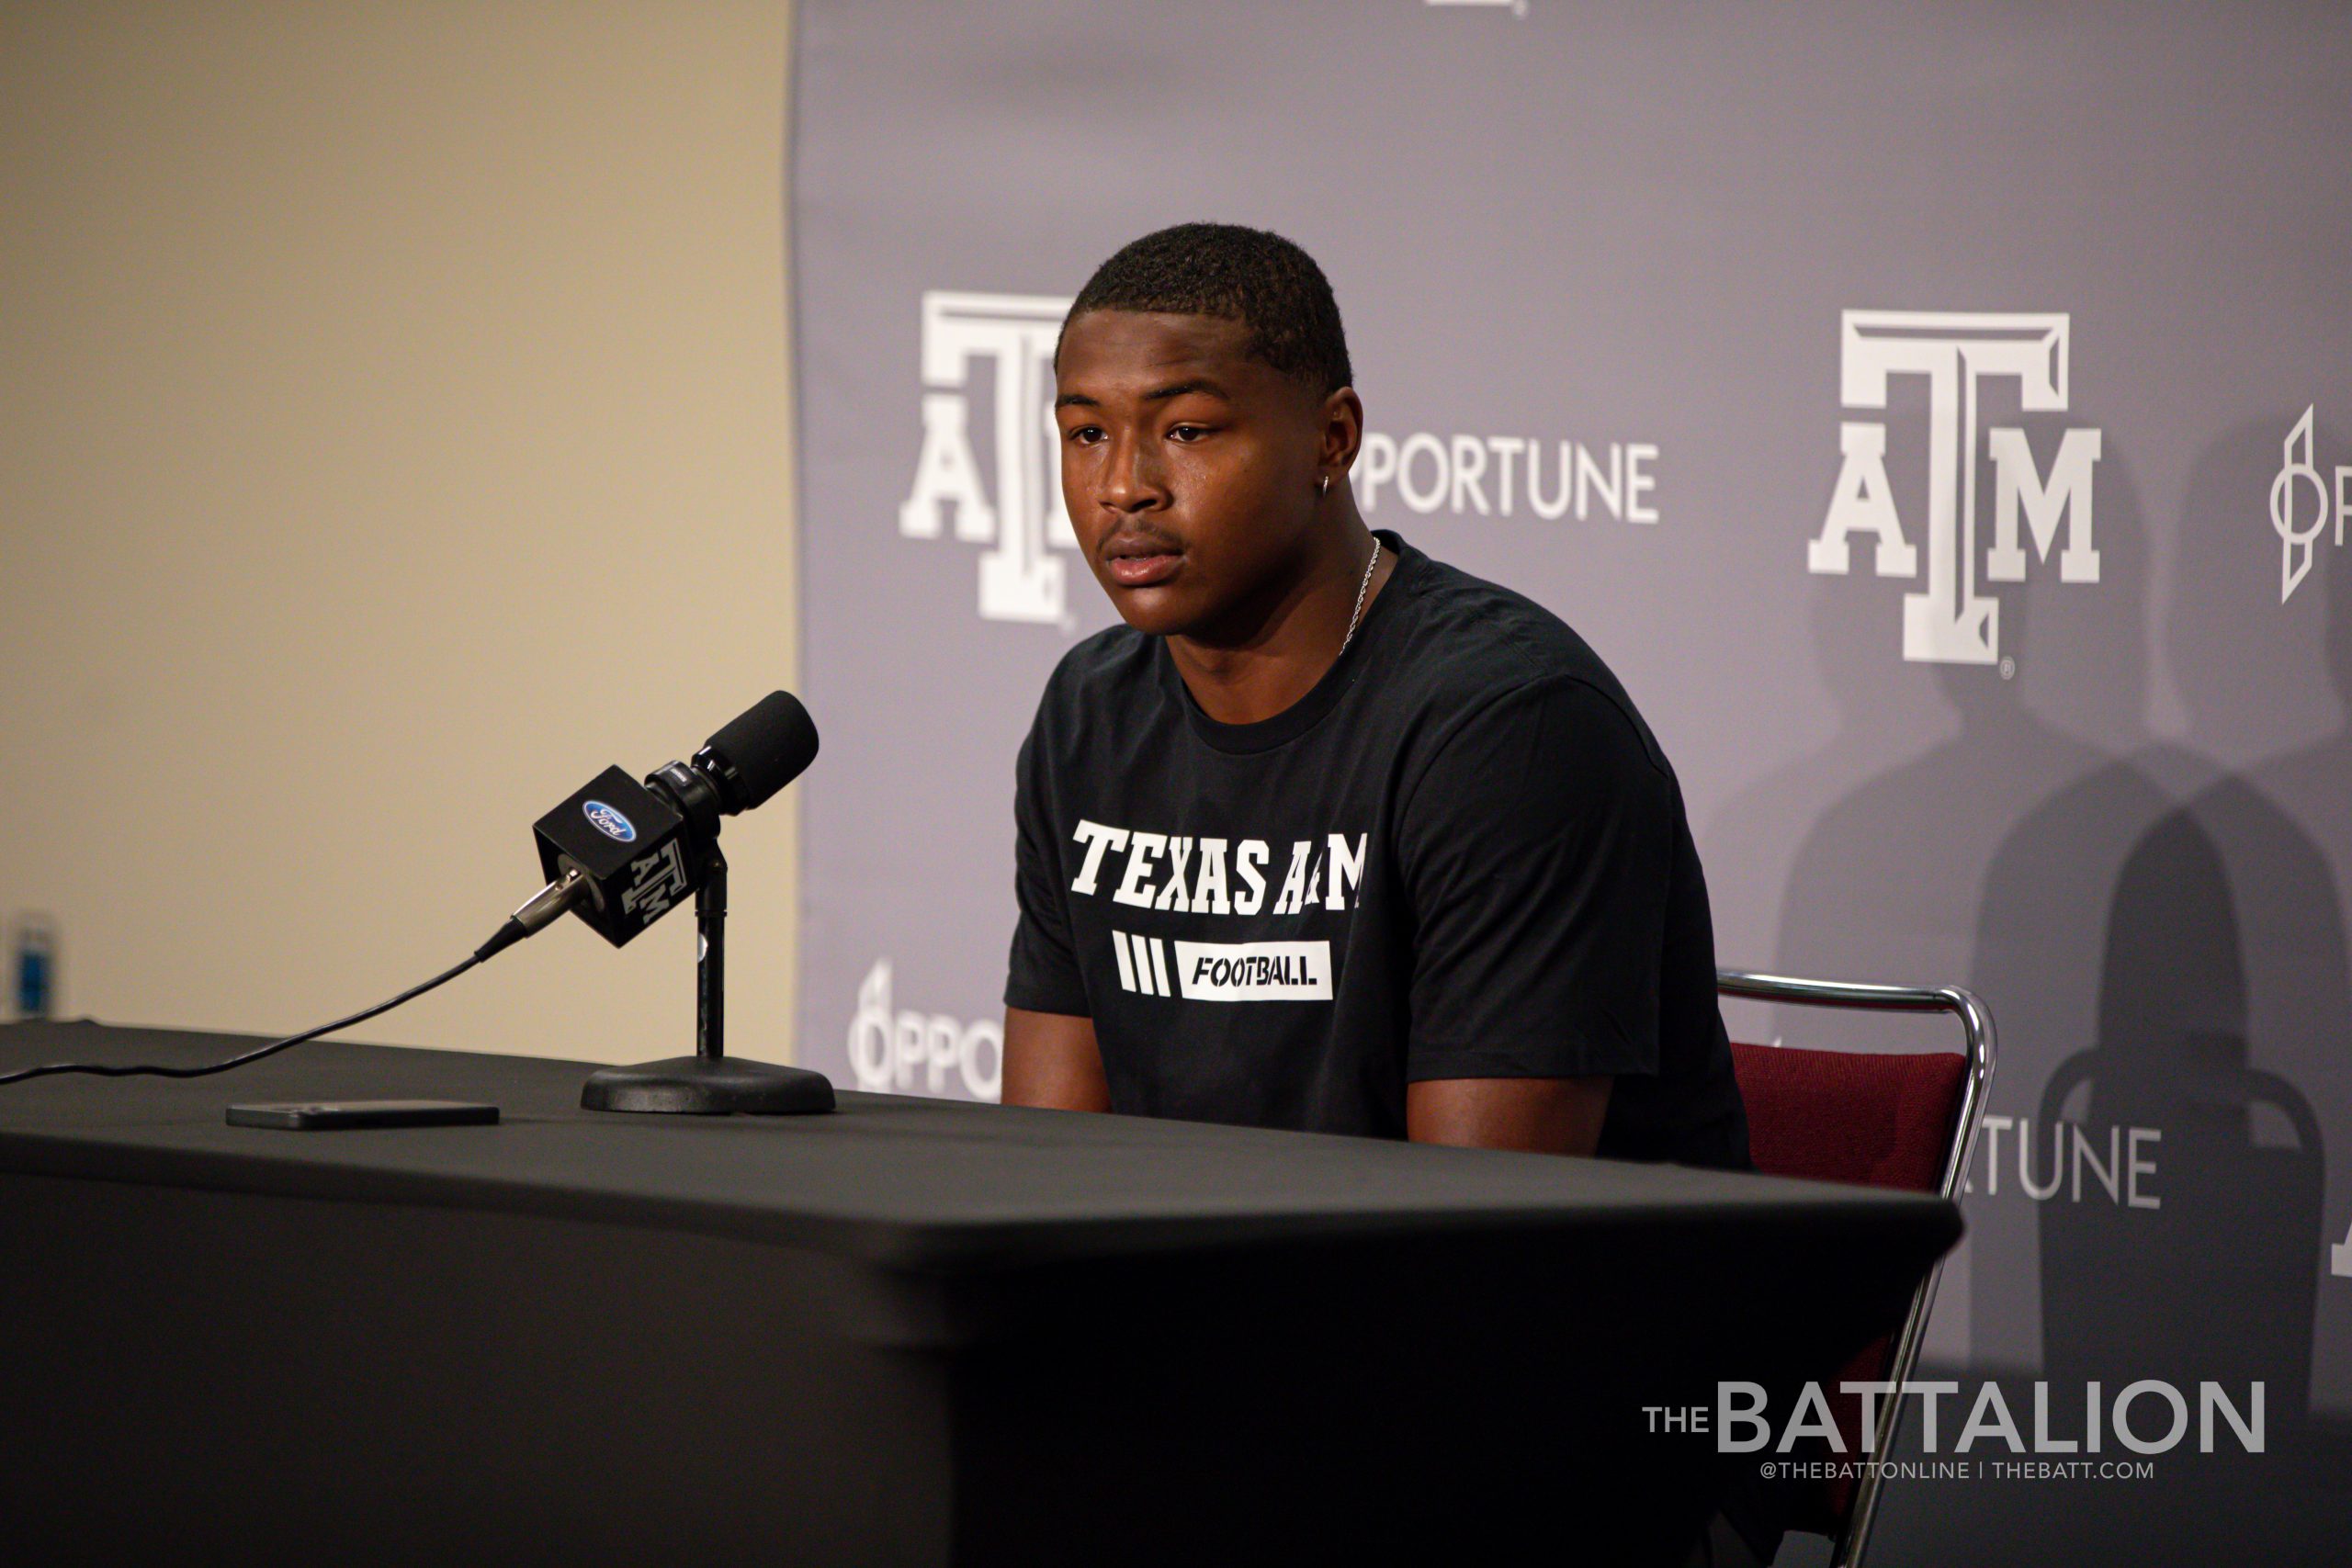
(1342, 429)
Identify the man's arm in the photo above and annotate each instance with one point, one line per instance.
(1559, 1116)
(1051, 1060)
(1537, 847)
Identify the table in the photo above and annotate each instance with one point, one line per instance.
(911, 1332)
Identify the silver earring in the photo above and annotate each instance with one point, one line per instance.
(1325, 488)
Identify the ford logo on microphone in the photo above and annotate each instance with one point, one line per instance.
(609, 822)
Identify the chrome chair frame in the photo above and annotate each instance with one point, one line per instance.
(1977, 1024)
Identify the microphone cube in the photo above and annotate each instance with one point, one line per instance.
(630, 845)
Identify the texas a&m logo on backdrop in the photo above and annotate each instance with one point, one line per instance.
(1949, 621)
(1008, 339)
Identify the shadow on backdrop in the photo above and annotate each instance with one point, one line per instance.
(2169, 925)
(2041, 900)
(2157, 927)
(1752, 841)
(2313, 784)
(1886, 883)
(2223, 993)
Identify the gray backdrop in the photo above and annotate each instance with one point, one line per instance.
(2033, 320)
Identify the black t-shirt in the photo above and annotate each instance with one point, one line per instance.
(1462, 855)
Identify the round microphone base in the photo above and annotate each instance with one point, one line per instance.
(708, 1086)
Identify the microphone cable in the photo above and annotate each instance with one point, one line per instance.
(522, 923)
(747, 762)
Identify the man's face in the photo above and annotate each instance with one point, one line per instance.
(1190, 469)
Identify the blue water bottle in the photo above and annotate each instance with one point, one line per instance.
(36, 967)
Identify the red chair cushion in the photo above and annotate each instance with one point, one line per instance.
(1870, 1119)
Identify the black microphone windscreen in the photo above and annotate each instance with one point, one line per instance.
(770, 745)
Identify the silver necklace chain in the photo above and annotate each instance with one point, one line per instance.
(1362, 588)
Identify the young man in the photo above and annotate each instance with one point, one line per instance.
(1329, 835)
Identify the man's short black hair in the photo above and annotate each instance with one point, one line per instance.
(1259, 279)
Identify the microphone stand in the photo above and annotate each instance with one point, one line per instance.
(709, 1082)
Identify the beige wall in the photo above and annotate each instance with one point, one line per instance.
(393, 413)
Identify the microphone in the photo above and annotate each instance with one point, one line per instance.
(621, 854)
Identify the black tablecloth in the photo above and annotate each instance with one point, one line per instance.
(1103, 1314)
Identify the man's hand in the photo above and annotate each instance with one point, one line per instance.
(1558, 1116)
(1051, 1060)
